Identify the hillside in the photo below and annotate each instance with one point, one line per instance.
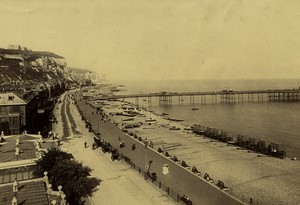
(25, 66)
(79, 70)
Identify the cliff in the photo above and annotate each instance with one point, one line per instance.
(31, 67)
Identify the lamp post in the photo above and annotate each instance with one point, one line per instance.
(147, 163)
(98, 133)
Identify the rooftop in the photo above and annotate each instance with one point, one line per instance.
(10, 99)
(26, 146)
(30, 193)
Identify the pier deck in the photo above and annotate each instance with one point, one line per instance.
(224, 96)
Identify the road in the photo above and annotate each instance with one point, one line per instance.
(120, 184)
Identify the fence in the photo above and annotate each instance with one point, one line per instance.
(146, 175)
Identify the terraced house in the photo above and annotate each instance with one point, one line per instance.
(12, 113)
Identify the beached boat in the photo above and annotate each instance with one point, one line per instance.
(174, 119)
(133, 125)
(128, 114)
(164, 114)
(150, 120)
(174, 128)
(188, 128)
(128, 119)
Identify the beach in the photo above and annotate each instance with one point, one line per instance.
(265, 179)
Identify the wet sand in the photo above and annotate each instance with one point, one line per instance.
(248, 175)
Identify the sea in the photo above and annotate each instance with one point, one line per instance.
(272, 121)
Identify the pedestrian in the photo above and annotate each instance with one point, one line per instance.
(85, 144)
(133, 146)
(251, 201)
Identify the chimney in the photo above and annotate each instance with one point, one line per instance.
(40, 137)
(14, 201)
(37, 146)
(17, 153)
(46, 179)
(49, 189)
(17, 142)
(15, 186)
(63, 200)
(60, 192)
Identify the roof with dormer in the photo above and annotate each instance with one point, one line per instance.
(10, 99)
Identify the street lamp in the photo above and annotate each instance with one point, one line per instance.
(147, 163)
(98, 133)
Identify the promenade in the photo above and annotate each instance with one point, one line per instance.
(179, 179)
(120, 184)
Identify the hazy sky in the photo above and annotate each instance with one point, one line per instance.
(162, 39)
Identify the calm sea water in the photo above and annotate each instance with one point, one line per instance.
(273, 121)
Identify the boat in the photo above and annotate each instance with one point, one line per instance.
(188, 128)
(195, 108)
(174, 119)
(128, 114)
(164, 114)
(150, 120)
(174, 128)
(128, 119)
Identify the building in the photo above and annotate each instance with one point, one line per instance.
(18, 185)
(12, 113)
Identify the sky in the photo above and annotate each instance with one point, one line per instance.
(162, 39)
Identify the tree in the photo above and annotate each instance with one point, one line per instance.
(47, 162)
(75, 178)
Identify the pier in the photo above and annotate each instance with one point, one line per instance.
(224, 96)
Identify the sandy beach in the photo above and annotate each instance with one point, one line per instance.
(265, 179)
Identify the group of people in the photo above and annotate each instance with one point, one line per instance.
(186, 200)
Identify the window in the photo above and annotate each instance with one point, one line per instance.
(2, 110)
(15, 121)
(15, 108)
